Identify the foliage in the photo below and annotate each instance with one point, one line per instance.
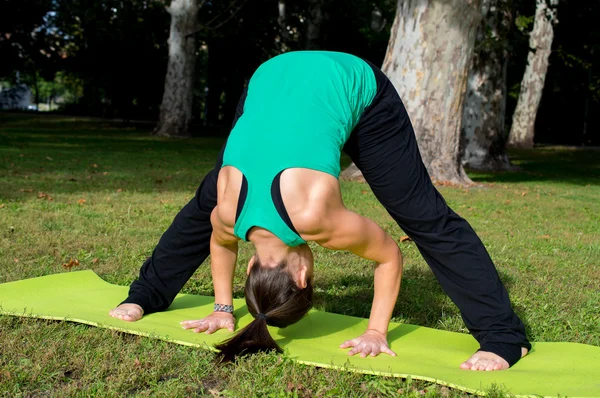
(524, 23)
(573, 78)
(572, 81)
(257, 33)
(117, 52)
(27, 41)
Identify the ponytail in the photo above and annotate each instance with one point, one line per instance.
(254, 338)
(274, 299)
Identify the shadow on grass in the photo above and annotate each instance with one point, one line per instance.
(61, 155)
(578, 166)
(72, 125)
(421, 302)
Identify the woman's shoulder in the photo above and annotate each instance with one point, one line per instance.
(308, 197)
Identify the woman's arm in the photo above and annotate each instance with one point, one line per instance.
(342, 229)
(223, 258)
(223, 255)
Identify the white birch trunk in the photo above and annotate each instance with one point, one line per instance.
(314, 23)
(282, 21)
(540, 42)
(176, 107)
(484, 111)
(428, 60)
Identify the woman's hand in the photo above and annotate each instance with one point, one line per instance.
(212, 323)
(370, 342)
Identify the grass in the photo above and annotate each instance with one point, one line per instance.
(103, 193)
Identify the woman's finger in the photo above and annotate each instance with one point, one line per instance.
(388, 351)
(355, 350)
(213, 327)
(191, 324)
(375, 351)
(230, 325)
(366, 350)
(348, 343)
(202, 327)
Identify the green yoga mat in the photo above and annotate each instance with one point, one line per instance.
(423, 353)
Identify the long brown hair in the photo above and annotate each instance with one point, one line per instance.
(274, 299)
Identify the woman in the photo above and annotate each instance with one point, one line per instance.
(276, 185)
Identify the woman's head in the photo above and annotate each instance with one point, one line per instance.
(275, 295)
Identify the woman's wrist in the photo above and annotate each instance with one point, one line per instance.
(223, 308)
(381, 331)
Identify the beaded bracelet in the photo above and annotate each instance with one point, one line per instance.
(223, 308)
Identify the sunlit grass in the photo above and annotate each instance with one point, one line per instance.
(103, 193)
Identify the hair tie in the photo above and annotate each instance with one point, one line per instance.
(261, 316)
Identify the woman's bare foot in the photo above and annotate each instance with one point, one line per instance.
(484, 360)
(127, 312)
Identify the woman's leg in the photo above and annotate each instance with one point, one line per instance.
(383, 146)
(182, 248)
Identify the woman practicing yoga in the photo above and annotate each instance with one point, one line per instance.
(276, 185)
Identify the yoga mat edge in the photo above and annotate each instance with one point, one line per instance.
(423, 353)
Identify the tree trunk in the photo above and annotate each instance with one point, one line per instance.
(378, 22)
(352, 173)
(586, 106)
(176, 107)
(484, 111)
(218, 55)
(428, 60)
(37, 91)
(282, 22)
(532, 85)
(314, 23)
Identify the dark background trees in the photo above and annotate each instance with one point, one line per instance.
(108, 58)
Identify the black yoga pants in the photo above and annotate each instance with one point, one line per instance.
(384, 148)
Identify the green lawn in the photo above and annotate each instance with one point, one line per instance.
(103, 193)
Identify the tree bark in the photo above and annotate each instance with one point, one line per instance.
(540, 43)
(176, 107)
(352, 173)
(282, 22)
(37, 90)
(428, 60)
(314, 23)
(484, 111)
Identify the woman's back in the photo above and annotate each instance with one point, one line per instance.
(299, 111)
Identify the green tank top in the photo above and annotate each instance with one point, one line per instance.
(299, 112)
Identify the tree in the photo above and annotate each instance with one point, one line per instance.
(484, 112)
(315, 17)
(116, 50)
(176, 107)
(257, 32)
(428, 61)
(532, 85)
(24, 36)
(30, 48)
